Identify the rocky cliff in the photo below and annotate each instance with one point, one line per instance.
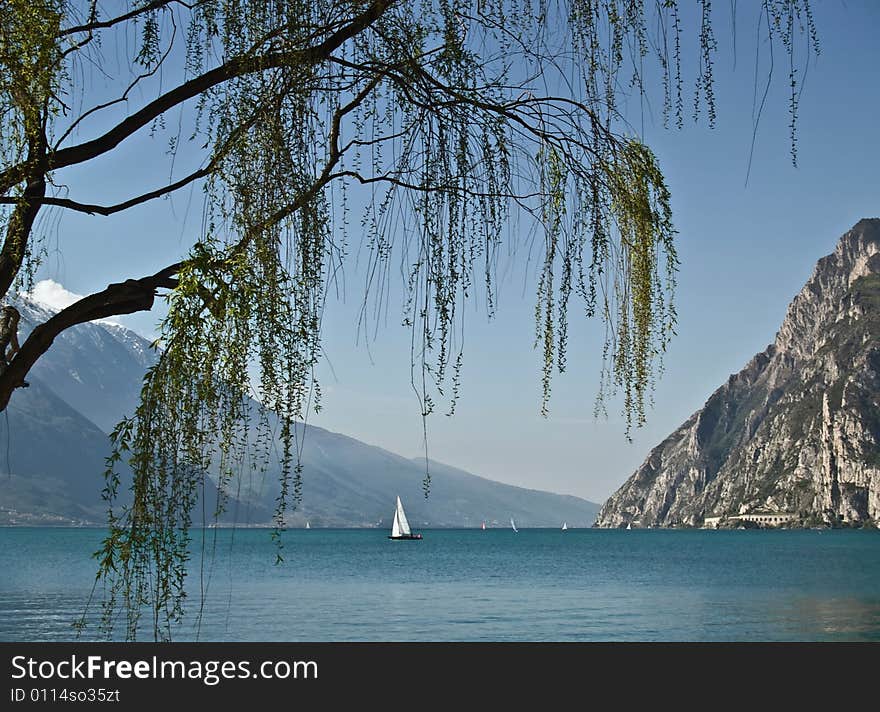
(797, 430)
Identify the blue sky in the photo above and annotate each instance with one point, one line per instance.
(745, 250)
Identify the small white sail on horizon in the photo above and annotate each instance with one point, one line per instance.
(564, 526)
(308, 526)
(400, 527)
(513, 526)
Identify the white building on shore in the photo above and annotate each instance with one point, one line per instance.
(765, 519)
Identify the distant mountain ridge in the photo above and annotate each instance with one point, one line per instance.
(91, 378)
(797, 430)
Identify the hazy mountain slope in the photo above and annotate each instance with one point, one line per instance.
(469, 492)
(55, 457)
(347, 482)
(91, 377)
(798, 429)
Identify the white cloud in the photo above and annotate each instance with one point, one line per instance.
(52, 295)
(55, 297)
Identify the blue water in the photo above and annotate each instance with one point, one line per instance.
(462, 585)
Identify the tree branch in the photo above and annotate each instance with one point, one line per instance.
(21, 221)
(127, 297)
(104, 24)
(135, 295)
(235, 67)
(91, 209)
(124, 97)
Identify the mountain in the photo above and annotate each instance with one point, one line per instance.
(797, 430)
(95, 367)
(52, 460)
(90, 379)
(349, 483)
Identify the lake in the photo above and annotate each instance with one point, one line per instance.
(472, 585)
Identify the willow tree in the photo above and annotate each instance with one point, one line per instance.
(456, 118)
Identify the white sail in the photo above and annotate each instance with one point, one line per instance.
(400, 526)
(564, 526)
(513, 526)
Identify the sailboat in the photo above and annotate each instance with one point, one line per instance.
(400, 529)
(484, 526)
(308, 526)
(564, 526)
(513, 526)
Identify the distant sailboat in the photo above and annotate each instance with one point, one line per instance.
(629, 525)
(484, 526)
(513, 526)
(564, 526)
(400, 529)
(308, 526)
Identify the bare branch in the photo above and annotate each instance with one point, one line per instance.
(91, 209)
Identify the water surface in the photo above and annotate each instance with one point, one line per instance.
(472, 585)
